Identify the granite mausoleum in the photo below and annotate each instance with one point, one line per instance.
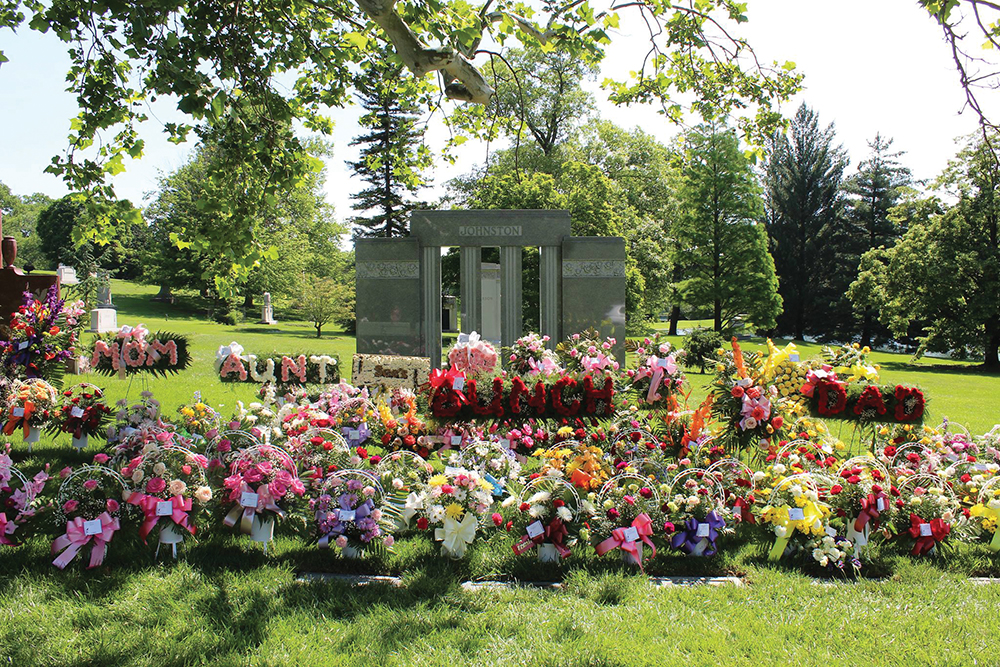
(399, 307)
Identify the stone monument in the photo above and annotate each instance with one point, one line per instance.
(67, 275)
(267, 311)
(104, 318)
(399, 305)
(491, 303)
(449, 314)
(14, 282)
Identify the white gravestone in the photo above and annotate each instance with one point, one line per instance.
(67, 275)
(267, 311)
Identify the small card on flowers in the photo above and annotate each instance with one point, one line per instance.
(164, 508)
(249, 499)
(796, 514)
(535, 529)
(703, 530)
(631, 534)
(347, 515)
(92, 527)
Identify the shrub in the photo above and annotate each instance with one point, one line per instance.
(701, 345)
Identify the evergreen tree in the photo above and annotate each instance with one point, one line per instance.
(804, 219)
(723, 245)
(393, 154)
(876, 188)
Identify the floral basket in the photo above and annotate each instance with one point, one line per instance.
(628, 515)
(927, 512)
(739, 485)
(91, 504)
(30, 405)
(260, 478)
(82, 413)
(986, 512)
(861, 497)
(169, 486)
(696, 508)
(547, 513)
(349, 513)
(403, 476)
(19, 498)
(794, 512)
(451, 504)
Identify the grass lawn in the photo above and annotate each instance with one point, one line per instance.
(227, 603)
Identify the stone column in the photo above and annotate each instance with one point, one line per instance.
(430, 285)
(470, 279)
(550, 293)
(510, 294)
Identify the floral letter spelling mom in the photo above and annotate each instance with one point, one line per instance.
(129, 351)
(234, 366)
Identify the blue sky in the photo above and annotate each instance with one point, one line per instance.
(870, 67)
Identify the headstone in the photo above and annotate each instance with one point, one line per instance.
(491, 303)
(449, 314)
(389, 306)
(376, 371)
(267, 311)
(593, 287)
(103, 320)
(67, 275)
(14, 283)
(104, 290)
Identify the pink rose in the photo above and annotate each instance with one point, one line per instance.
(112, 505)
(65, 472)
(90, 484)
(69, 506)
(155, 485)
(100, 458)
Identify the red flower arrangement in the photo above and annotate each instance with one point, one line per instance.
(870, 400)
(909, 403)
(832, 398)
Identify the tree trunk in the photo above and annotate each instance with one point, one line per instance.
(675, 316)
(319, 331)
(248, 300)
(990, 357)
(866, 328)
(718, 315)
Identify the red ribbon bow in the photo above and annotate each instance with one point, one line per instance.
(924, 543)
(870, 510)
(180, 507)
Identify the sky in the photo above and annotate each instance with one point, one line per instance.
(870, 66)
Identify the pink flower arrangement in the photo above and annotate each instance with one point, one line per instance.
(474, 356)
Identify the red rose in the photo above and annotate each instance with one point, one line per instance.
(558, 503)
(778, 422)
(497, 519)
(966, 478)
(386, 439)
(362, 452)
(646, 492)
(422, 523)
(524, 507)
(836, 488)
(853, 479)
(737, 392)
(409, 441)
(889, 451)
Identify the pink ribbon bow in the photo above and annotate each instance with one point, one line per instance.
(265, 501)
(644, 526)
(180, 507)
(76, 538)
(6, 528)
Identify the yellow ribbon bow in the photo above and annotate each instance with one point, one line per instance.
(457, 534)
(779, 517)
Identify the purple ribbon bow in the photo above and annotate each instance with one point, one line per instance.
(361, 431)
(338, 527)
(689, 541)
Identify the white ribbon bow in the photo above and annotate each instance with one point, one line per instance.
(457, 535)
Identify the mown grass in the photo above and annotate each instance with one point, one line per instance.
(227, 603)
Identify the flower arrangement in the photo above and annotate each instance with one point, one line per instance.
(30, 405)
(198, 419)
(529, 356)
(473, 356)
(405, 431)
(81, 412)
(546, 515)
(834, 553)
(168, 484)
(128, 352)
(20, 498)
(138, 425)
(863, 403)
(926, 512)
(496, 464)
(257, 418)
(794, 512)
(90, 507)
(348, 513)
(587, 353)
(221, 449)
(739, 485)
(233, 365)
(403, 476)
(695, 507)
(583, 465)
(41, 338)
(628, 515)
(296, 419)
(986, 512)
(260, 478)
(451, 504)
(860, 499)
(744, 402)
(658, 375)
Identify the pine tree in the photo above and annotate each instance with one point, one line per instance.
(393, 154)
(723, 245)
(804, 210)
(877, 187)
